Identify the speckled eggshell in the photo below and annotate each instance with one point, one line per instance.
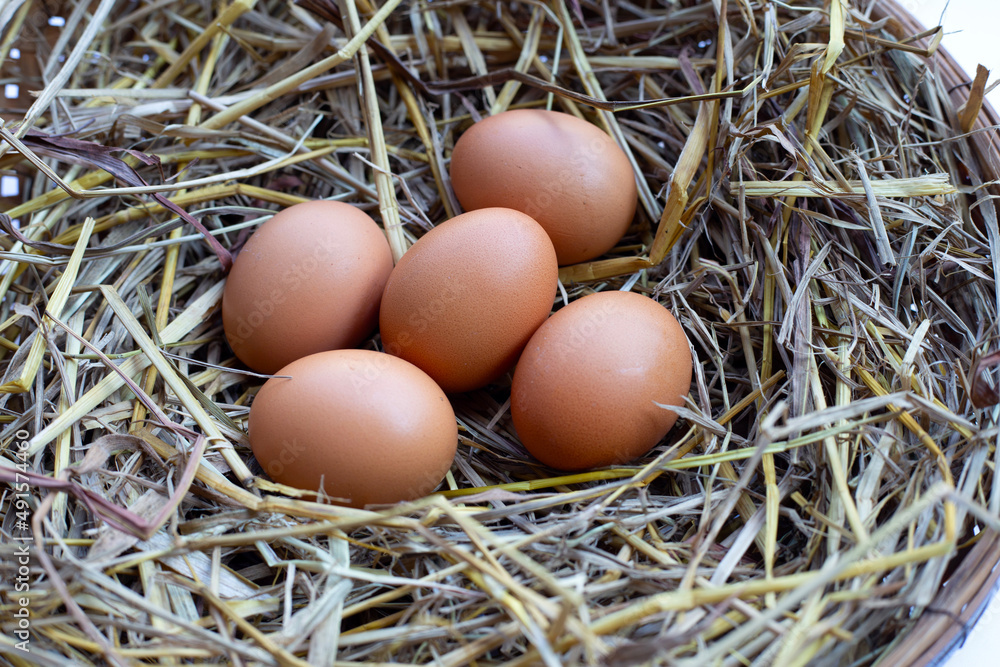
(561, 170)
(586, 388)
(466, 297)
(309, 279)
(368, 427)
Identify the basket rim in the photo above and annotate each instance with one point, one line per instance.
(935, 635)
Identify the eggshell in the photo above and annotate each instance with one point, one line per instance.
(561, 170)
(586, 388)
(465, 298)
(365, 426)
(309, 279)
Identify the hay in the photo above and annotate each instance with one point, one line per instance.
(816, 205)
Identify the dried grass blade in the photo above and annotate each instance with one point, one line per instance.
(477, 62)
(171, 377)
(968, 114)
(608, 120)
(54, 308)
(529, 52)
(228, 16)
(929, 185)
(885, 252)
(192, 316)
(852, 565)
(838, 8)
(602, 269)
(276, 90)
(387, 205)
(204, 473)
(670, 227)
(66, 398)
(414, 111)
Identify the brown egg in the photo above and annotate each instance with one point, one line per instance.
(309, 279)
(586, 388)
(464, 300)
(561, 170)
(367, 427)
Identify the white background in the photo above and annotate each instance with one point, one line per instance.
(971, 37)
(970, 33)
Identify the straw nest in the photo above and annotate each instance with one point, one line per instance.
(815, 206)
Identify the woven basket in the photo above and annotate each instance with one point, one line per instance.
(945, 623)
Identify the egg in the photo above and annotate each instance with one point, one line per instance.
(309, 279)
(466, 297)
(561, 170)
(588, 389)
(363, 426)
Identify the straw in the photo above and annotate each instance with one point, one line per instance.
(817, 206)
